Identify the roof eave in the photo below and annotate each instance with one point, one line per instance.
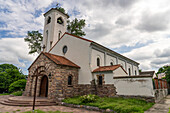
(57, 10)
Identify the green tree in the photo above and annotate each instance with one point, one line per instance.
(34, 39)
(163, 69)
(17, 85)
(3, 67)
(166, 70)
(60, 8)
(8, 76)
(75, 27)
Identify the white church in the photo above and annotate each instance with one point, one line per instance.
(70, 65)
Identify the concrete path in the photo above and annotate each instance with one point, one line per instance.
(18, 109)
(161, 107)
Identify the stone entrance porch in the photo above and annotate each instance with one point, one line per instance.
(52, 77)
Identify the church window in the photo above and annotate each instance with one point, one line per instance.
(129, 72)
(98, 61)
(111, 63)
(122, 65)
(100, 82)
(48, 20)
(59, 35)
(60, 21)
(69, 80)
(135, 72)
(64, 49)
(46, 37)
(51, 44)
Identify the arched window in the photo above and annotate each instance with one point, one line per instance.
(100, 82)
(60, 20)
(69, 80)
(98, 61)
(46, 37)
(135, 72)
(111, 63)
(122, 65)
(48, 20)
(129, 72)
(51, 42)
(59, 35)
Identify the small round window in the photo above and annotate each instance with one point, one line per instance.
(64, 49)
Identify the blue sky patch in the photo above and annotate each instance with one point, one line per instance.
(125, 49)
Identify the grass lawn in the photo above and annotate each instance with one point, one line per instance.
(39, 111)
(4, 94)
(120, 105)
(17, 93)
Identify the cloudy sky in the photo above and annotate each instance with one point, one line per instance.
(138, 29)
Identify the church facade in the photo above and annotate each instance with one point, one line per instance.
(70, 65)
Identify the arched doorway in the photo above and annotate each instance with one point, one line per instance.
(44, 86)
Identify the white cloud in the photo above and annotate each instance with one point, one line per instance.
(152, 56)
(15, 51)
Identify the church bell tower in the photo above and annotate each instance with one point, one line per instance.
(55, 26)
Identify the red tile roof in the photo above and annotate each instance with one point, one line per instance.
(60, 60)
(108, 68)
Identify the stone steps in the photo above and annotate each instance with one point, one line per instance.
(27, 101)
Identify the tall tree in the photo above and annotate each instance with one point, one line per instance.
(165, 69)
(167, 77)
(75, 27)
(8, 74)
(34, 39)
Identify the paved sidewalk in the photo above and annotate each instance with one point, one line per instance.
(161, 107)
(18, 109)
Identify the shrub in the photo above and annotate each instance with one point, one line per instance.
(17, 85)
(88, 98)
(17, 93)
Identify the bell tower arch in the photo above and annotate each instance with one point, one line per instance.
(55, 26)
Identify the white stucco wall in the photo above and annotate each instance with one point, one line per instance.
(134, 86)
(94, 55)
(110, 59)
(121, 62)
(78, 52)
(119, 72)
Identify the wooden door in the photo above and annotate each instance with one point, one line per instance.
(44, 87)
